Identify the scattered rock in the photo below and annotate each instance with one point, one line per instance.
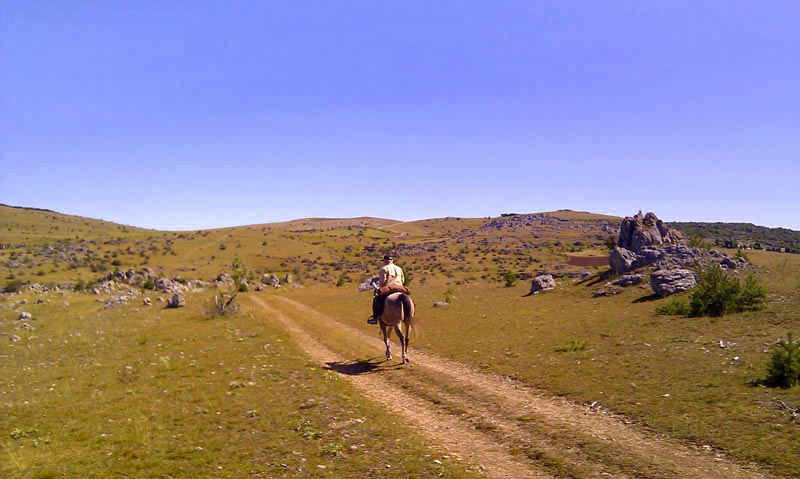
(607, 291)
(160, 299)
(146, 301)
(14, 338)
(544, 282)
(24, 315)
(369, 284)
(441, 304)
(176, 301)
(259, 287)
(289, 279)
(629, 280)
(670, 281)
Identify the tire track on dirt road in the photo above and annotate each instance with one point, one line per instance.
(436, 425)
(617, 449)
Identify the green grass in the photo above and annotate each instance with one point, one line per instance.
(150, 392)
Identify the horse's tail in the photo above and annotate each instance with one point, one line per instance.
(408, 310)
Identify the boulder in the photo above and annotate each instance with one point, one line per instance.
(176, 301)
(14, 338)
(23, 316)
(441, 304)
(265, 278)
(629, 280)
(274, 281)
(369, 284)
(543, 282)
(146, 301)
(288, 279)
(259, 287)
(621, 260)
(670, 281)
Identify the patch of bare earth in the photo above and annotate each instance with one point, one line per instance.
(501, 425)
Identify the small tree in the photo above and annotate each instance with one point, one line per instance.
(784, 369)
(239, 271)
(714, 295)
(510, 278)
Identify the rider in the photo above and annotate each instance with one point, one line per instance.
(390, 281)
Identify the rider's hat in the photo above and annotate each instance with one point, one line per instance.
(387, 257)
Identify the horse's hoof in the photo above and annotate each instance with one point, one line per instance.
(388, 358)
(406, 360)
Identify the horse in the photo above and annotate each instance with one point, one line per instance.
(398, 309)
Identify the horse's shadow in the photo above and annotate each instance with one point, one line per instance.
(361, 366)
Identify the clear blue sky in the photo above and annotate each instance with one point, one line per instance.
(198, 114)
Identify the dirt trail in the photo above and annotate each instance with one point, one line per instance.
(520, 427)
(457, 437)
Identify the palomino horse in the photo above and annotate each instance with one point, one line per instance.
(398, 309)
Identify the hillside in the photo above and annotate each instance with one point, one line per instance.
(566, 383)
(746, 234)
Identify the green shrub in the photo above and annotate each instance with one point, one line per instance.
(717, 294)
(510, 278)
(696, 241)
(242, 288)
(80, 285)
(673, 307)
(784, 369)
(340, 282)
(741, 254)
(13, 286)
(753, 296)
(574, 345)
(149, 284)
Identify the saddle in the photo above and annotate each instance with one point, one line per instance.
(395, 288)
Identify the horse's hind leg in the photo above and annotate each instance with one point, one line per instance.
(403, 342)
(386, 331)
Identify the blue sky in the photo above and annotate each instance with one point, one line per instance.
(199, 114)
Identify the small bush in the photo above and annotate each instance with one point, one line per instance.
(698, 242)
(574, 345)
(13, 286)
(717, 294)
(224, 305)
(673, 307)
(741, 254)
(340, 282)
(116, 262)
(80, 285)
(149, 284)
(784, 369)
(510, 278)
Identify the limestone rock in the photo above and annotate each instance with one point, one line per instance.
(369, 284)
(23, 316)
(639, 231)
(670, 281)
(441, 304)
(259, 287)
(621, 260)
(14, 338)
(146, 301)
(544, 282)
(289, 279)
(176, 301)
(629, 280)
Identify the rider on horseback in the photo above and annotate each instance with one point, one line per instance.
(390, 281)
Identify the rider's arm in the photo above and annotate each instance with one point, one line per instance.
(383, 278)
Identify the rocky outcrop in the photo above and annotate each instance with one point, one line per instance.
(621, 260)
(670, 281)
(544, 282)
(638, 232)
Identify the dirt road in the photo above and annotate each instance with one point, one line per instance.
(500, 426)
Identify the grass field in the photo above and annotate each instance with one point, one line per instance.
(149, 392)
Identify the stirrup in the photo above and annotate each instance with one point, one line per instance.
(372, 320)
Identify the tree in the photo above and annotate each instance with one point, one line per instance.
(239, 272)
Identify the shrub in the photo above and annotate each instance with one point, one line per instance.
(574, 345)
(717, 294)
(80, 285)
(741, 254)
(340, 282)
(510, 278)
(696, 241)
(753, 296)
(149, 284)
(784, 369)
(13, 286)
(673, 307)
(239, 271)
